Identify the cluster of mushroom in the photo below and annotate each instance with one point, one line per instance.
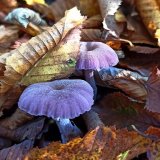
(66, 99)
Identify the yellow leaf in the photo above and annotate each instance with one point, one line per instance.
(30, 2)
(150, 14)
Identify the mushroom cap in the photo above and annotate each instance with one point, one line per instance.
(96, 55)
(57, 99)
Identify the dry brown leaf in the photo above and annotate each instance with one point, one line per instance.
(20, 41)
(117, 109)
(59, 7)
(93, 22)
(102, 143)
(91, 35)
(26, 131)
(153, 89)
(7, 5)
(139, 33)
(16, 119)
(91, 146)
(45, 10)
(16, 151)
(33, 64)
(89, 7)
(10, 98)
(7, 36)
(149, 11)
(141, 63)
(131, 83)
(144, 49)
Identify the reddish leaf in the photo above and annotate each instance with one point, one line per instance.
(142, 63)
(153, 88)
(116, 109)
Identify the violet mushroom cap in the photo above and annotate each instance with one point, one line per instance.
(61, 100)
(94, 56)
(57, 99)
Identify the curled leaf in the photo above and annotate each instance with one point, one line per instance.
(34, 61)
(108, 9)
(132, 83)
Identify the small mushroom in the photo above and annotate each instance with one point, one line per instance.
(61, 100)
(23, 16)
(94, 56)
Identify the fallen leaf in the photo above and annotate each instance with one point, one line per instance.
(91, 35)
(141, 63)
(93, 22)
(45, 10)
(10, 98)
(91, 145)
(31, 67)
(5, 143)
(117, 109)
(144, 49)
(59, 7)
(56, 10)
(138, 34)
(8, 36)
(150, 14)
(30, 2)
(20, 41)
(153, 95)
(26, 131)
(116, 45)
(44, 69)
(16, 151)
(89, 8)
(108, 9)
(17, 119)
(100, 143)
(131, 83)
(8, 5)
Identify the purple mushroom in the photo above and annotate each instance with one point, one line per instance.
(61, 100)
(94, 56)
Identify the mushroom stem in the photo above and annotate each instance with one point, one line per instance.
(67, 129)
(89, 77)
